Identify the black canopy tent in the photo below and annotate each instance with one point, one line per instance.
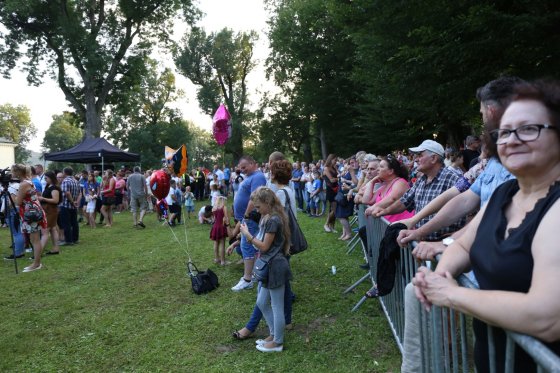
(93, 151)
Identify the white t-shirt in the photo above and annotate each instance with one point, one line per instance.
(215, 194)
(282, 196)
(220, 174)
(168, 199)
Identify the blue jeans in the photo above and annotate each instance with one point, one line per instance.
(257, 315)
(299, 198)
(12, 219)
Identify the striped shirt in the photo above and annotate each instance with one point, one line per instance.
(69, 184)
(422, 193)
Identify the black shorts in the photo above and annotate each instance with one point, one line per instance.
(108, 201)
(174, 209)
(330, 194)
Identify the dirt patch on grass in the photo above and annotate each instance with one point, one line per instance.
(225, 349)
(314, 326)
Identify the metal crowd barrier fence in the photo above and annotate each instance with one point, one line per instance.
(445, 340)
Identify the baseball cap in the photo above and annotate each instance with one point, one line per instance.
(430, 145)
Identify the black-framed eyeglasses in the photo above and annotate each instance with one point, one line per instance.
(525, 133)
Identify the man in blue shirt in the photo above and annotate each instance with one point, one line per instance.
(242, 207)
(227, 176)
(297, 173)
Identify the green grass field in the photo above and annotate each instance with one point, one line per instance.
(120, 300)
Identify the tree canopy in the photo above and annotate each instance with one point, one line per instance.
(86, 46)
(16, 126)
(383, 75)
(219, 64)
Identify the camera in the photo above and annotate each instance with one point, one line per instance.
(6, 177)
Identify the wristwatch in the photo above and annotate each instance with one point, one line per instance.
(448, 241)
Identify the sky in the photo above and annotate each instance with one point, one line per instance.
(240, 15)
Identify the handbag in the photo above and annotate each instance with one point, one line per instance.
(341, 199)
(260, 269)
(32, 213)
(202, 282)
(299, 243)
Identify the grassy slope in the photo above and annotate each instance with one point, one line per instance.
(121, 301)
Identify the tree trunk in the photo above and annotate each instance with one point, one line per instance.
(306, 145)
(324, 151)
(92, 127)
(235, 143)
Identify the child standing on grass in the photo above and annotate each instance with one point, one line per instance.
(314, 195)
(189, 201)
(91, 200)
(218, 234)
(214, 194)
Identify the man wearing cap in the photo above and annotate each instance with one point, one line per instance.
(435, 180)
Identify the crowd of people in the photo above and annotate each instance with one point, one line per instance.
(490, 209)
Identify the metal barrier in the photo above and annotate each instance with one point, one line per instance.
(445, 341)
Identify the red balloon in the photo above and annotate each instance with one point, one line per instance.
(159, 184)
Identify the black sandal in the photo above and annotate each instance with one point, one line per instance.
(372, 293)
(239, 337)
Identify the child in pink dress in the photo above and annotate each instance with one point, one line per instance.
(218, 234)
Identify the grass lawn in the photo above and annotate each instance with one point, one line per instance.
(120, 300)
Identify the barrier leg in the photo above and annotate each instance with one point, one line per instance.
(353, 286)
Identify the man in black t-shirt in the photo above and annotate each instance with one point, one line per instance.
(472, 151)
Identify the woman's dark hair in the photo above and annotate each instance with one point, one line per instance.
(329, 160)
(546, 91)
(281, 172)
(395, 165)
(51, 175)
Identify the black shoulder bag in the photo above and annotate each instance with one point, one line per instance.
(299, 243)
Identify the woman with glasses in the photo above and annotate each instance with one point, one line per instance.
(512, 243)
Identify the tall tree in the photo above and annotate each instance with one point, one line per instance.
(145, 102)
(85, 45)
(149, 141)
(219, 64)
(311, 60)
(420, 62)
(63, 133)
(16, 126)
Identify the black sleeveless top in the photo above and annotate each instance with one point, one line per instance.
(506, 264)
(47, 193)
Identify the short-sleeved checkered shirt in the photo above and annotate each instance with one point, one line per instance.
(69, 184)
(422, 193)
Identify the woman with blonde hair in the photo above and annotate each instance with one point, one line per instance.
(273, 243)
(32, 215)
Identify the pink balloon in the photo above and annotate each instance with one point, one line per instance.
(222, 125)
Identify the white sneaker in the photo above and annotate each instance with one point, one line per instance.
(242, 285)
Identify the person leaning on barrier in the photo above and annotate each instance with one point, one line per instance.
(453, 204)
(511, 244)
(436, 179)
(494, 98)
